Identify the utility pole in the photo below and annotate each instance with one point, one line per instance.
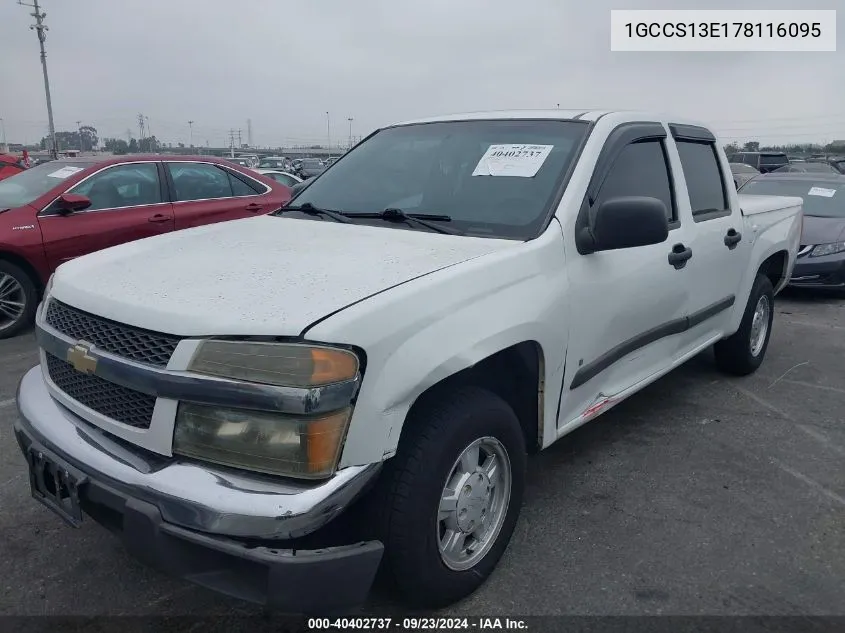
(350, 119)
(249, 132)
(4, 144)
(140, 128)
(79, 131)
(191, 134)
(240, 142)
(41, 29)
(150, 134)
(231, 143)
(328, 130)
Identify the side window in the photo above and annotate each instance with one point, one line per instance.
(199, 181)
(122, 186)
(707, 192)
(641, 169)
(241, 188)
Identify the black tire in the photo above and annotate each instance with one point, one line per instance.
(408, 494)
(29, 296)
(734, 354)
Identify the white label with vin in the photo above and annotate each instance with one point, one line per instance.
(522, 161)
(821, 191)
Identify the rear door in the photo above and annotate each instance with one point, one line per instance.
(716, 238)
(205, 193)
(128, 202)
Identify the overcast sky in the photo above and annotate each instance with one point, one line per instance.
(284, 64)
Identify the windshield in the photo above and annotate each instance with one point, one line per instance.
(311, 162)
(807, 168)
(742, 168)
(33, 183)
(824, 199)
(773, 159)
(493, 178)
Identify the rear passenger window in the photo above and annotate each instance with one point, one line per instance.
(706, 187)
(241, 188)
(641, 169)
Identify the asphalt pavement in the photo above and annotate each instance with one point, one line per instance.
(700, 495)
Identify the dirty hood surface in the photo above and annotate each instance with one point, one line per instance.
(259, 276)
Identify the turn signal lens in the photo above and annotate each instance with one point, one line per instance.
(280, 364)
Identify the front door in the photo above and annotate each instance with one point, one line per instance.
(627, 306)
(127, 204)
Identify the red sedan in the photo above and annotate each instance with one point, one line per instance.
(60, 210)
(9, 166)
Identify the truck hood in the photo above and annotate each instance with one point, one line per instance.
(261, 276)
(818, 230)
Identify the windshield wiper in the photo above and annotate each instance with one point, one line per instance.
(310, 209)
(415, 219)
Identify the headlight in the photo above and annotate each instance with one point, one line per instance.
(280, 364)
(278, 443)
(828, 249)
(49, 285)
(273, 443)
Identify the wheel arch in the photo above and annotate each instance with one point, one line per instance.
(775, 267)
(516, 373)
(24, 265)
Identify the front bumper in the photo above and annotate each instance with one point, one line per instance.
(202, 523)
(822, 273)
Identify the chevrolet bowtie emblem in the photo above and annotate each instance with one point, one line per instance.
(79, 358)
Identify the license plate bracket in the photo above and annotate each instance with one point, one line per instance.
(56, 484)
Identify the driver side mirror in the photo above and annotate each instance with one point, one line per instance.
(626, 222)
(70, 202)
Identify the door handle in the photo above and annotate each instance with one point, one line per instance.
(679, 255)
(732, 238)
(254, 206)
(159, 218)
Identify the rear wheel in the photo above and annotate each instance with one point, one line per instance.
(451, 496)
(18, 300)
(742, 353)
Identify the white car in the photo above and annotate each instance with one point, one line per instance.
(358, 380)
(281, 176)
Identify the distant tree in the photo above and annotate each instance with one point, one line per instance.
(133, 146)
(116, 146)
(732, 148)
(182, 145)
(751, 146)
(90, 138)
(148, 145)
(65, 140)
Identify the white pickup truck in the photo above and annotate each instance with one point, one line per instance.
(275, 408)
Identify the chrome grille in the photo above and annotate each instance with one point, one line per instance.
(126, 341)
(114, 401)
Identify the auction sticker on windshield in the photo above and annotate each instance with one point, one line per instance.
(523, 161)
(821, 191)
(64, 172)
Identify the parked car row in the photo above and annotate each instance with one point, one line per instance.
(820, 264)
(55, 212)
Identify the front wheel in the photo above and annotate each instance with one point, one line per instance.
(742, 353)
(18, 300)
(451, 496)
